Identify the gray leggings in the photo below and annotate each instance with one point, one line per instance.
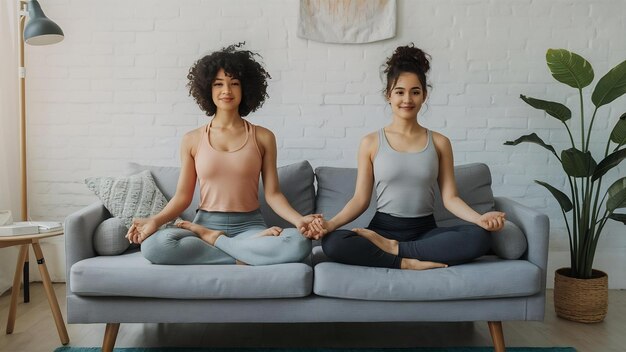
(174, 245)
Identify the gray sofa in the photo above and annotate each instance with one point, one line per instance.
(129, 289)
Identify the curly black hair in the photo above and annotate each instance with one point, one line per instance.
(239, 64)
(406, 58)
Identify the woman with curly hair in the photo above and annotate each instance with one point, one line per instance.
(404, 161)
(226, 157)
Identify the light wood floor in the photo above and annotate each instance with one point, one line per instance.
(35, 331)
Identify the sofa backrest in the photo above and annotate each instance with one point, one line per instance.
(335, 187)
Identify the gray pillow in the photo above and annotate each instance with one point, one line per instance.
(108, 239)
(296, 183)
(335, 187)
(135, 196)
(166, 179)
(510, 242)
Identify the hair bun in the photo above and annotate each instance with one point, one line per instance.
(409, 55)
(409, 59)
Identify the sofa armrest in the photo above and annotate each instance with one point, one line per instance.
(79, 229)
(535, 225)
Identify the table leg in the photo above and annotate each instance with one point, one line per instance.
(52, 299)
(26, 278)
(15, 292)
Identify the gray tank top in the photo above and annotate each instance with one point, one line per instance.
(405, 181)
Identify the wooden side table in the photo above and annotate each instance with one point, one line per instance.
(23, 241)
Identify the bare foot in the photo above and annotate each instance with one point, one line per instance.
(392, 247)
(387, 245)
(207, 235)
(272, 231)
(414, 264)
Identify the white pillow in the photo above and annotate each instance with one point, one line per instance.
(134, 196)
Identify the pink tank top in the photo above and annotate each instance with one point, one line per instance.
(229, 181)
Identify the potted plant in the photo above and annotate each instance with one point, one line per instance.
(580, 292)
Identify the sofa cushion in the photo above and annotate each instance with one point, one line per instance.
(166, 178)
(473, 182)
(134, 196)
(296, 183)
(335, 187)
(132, 275)
(487, 277)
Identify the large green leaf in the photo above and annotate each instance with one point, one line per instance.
(562, 198)
(576, 163)
(618, 135)
(617, 195)
(611, 86)
(557, 110)
(532, 138)
(608, 163)
(569, 68)
(618, 217)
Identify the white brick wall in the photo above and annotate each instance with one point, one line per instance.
(114, 90)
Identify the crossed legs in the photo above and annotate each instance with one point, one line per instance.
(210, 236)
(436, 248)
(392, 247)
(256, 246)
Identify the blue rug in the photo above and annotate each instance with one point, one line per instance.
(420, 349)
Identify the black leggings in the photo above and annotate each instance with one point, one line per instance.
(418, 238)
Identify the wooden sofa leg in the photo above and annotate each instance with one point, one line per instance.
(110, 334)
(495, 328)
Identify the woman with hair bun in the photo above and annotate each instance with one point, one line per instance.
(226, 157)
(404, 161)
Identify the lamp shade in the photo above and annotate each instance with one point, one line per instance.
(40, 30)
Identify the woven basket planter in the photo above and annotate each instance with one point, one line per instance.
(581, 300)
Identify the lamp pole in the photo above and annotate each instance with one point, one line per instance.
(22, 76)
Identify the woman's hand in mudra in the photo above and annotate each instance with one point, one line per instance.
(492, 221)
(140, 230)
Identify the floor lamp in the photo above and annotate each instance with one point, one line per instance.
(40, 30)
